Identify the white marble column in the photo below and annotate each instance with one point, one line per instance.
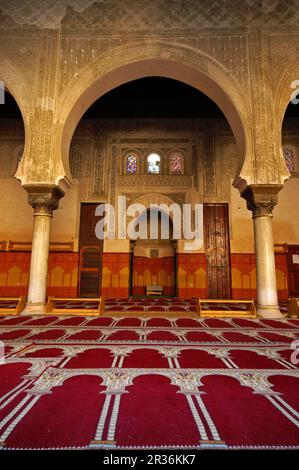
(265, 267)
(39, 259)
(43, 204)
(261, 200)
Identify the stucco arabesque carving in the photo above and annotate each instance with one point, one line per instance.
(230, 50)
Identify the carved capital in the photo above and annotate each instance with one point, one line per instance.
(261, 198)
(44, 198)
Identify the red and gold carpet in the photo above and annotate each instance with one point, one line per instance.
(133, 382)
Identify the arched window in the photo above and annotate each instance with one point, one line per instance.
(131, 164)
(289, 159)
(153, 163)
(176, 164)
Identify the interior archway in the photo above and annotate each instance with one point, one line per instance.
(164, 117)
(13, 218)
(287, 90)
(214, 84)
(289, 140)
(10, 111)
(289, 192)
(17, 87)
(154, 265)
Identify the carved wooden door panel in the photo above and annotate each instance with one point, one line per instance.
(293, 269)
(91, 253)
(217, 250)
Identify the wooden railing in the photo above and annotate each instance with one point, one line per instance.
(3, 245)
(281, 248)
(11, 245)
(66, 308)
(250, 311)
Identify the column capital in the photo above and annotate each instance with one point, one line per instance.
(44, 198)
(261, 198)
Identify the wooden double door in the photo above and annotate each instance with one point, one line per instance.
(293, 270)
(91, 253)
(217, 250)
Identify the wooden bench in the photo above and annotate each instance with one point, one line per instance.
(55, 309)
(154, 290)
(250, 311)
(12, 305)
(293, 307)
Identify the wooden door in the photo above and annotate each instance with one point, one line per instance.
(293, 270)
(217, 250)
(91, 253)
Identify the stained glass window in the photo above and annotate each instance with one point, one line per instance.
(289, 158)
(176, 164)
(153, 163)
(131, 164)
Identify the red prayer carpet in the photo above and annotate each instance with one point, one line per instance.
(124, 381)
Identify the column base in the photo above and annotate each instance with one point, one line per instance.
(34, 309)
(269, 311)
